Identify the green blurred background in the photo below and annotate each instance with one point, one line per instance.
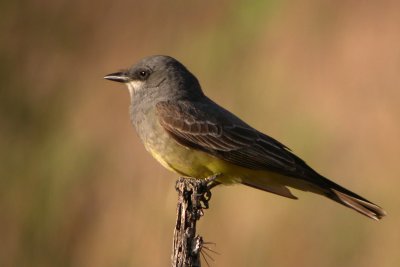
(77, 187)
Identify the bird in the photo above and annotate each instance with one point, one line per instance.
(193, 136)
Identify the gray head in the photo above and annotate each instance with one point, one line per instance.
(160, 78)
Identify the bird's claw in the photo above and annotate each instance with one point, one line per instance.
(208, 183)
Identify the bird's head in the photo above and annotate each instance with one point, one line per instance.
(159, 77)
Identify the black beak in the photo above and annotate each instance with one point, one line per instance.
(120, 77)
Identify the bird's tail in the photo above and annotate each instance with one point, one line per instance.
(352, 200)
(325, 187)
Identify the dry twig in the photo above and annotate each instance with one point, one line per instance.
(193, 197)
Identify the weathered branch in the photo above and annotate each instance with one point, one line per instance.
(193, 196)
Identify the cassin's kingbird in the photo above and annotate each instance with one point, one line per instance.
(192, 135)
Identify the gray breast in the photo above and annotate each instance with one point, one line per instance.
(148, 128)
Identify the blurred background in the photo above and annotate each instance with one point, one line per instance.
(77, 187)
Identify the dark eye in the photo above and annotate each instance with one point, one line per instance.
(143, 74)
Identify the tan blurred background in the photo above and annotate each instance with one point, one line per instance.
(78, 189)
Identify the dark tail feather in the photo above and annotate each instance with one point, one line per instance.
(354, 201)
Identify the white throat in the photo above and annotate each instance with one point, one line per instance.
(134, 86)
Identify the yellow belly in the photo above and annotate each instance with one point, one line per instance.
(198, 164)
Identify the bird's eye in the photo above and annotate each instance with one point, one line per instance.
(143, 74)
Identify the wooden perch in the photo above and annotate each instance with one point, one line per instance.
(193, 197)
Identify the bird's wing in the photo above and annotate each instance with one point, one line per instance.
(210, 128)
(215, 130)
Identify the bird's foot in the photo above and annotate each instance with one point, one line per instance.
(212, 182)
(207, 184)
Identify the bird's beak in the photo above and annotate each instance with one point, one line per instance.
(120, 77)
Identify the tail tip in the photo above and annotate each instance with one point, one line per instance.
(362, 206)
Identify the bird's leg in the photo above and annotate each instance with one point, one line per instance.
(212, 181)
(208, 183)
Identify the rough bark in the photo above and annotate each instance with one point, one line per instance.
(193, 196)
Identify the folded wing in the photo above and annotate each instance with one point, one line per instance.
(220, 133)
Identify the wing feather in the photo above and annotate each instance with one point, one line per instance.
(220, 133)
